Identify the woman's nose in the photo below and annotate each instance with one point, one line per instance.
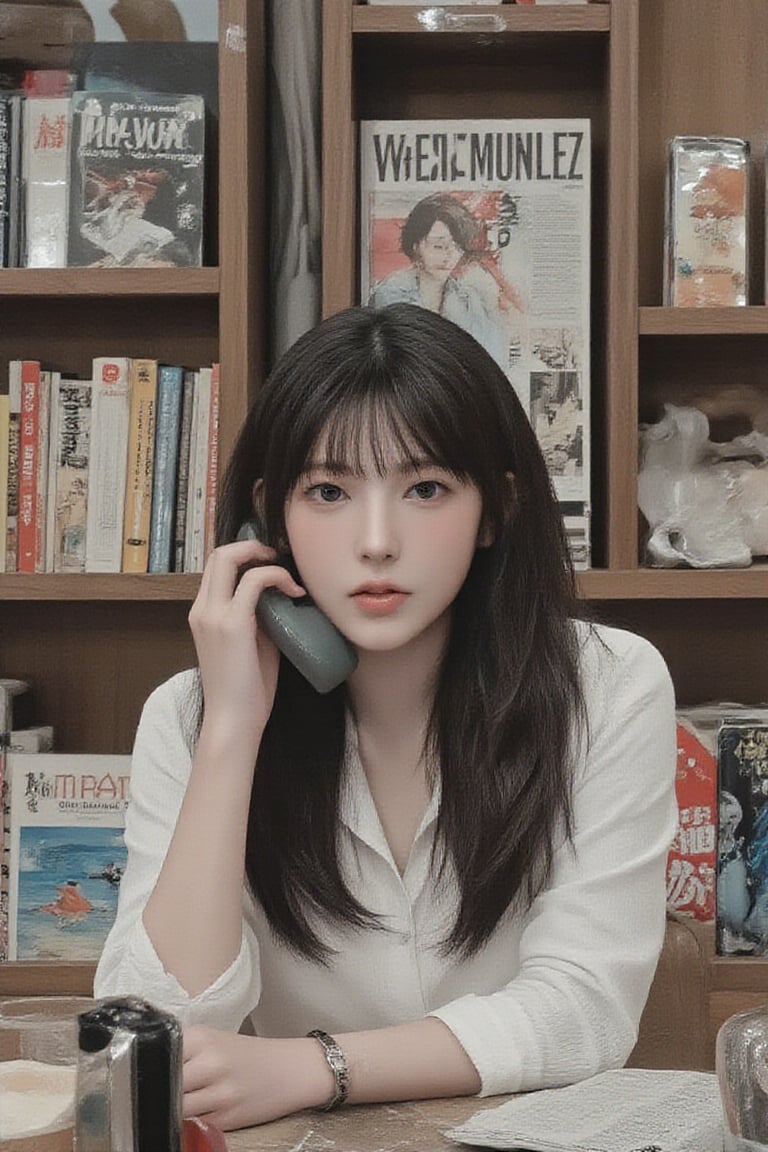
(378, 538)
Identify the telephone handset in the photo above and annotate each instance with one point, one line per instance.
(302, 633)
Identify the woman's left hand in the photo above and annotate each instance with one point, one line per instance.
(236, 1081)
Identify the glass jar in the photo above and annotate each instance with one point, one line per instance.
(741, 1058)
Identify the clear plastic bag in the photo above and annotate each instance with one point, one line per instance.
(706, 503)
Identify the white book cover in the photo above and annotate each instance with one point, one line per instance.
(5, 431)
(198, 474)
(110, 416)
(488, 223)
(45, 168)
(67, 853)
(68, 499)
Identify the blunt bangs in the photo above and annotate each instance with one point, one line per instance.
(398, 386)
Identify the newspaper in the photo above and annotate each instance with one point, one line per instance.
(627, 1110)
(488, 223)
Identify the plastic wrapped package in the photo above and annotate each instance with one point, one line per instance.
(706, 503)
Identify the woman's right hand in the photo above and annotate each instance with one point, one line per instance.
(238, 662)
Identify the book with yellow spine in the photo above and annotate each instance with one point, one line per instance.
(141, 462)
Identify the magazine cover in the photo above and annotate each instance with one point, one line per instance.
(137, 180)
(488, 223)
(691, 859)
(742, 847)
(67, 854)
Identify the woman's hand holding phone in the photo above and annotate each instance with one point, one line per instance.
(238, 662)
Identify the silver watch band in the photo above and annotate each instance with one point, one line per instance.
(337, 1062)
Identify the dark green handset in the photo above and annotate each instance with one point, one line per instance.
(302, 633)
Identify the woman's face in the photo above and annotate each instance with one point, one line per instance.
(438, 253)
(383, 556)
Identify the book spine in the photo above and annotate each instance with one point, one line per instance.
(212, 476)
(198, 475)
(41, 487)
(11, 540)
(72, 459)
(182, 472)
(140, 466)
(15, 183)
(9, 689)
(110, 417)
(53, 440)
(194, 436)
(47, 124)
(170, 384)
(5, 422)
(29, 448)
(5, 176)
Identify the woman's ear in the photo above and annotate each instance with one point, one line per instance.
(486, 536)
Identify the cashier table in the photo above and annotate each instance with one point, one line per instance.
(416, 1126)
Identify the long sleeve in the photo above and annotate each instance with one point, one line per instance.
(129, 964)
(592, 939)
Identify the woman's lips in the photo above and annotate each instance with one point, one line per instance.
(379, 603)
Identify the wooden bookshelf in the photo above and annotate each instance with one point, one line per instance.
(642, 71)
(94, 647)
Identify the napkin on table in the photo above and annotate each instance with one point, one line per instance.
(627, 1110)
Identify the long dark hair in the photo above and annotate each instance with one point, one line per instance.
(508, 703)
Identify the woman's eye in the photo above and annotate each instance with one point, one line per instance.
(427, 489)
(326, 493)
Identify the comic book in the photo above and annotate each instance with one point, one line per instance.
(488, 223)
(137, 180)
(742, 846)
(67, 854)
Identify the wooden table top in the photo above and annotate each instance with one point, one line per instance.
(415, 1126)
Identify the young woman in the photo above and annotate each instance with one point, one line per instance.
(454, 862)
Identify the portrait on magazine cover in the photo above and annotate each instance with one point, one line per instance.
(448, 252)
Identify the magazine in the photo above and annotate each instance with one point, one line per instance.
(137, 180)
(742, 843)
(67, 854)
(488, 222)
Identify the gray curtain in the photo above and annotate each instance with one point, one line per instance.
(294, 169)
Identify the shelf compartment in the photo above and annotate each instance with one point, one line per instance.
(92, 586)
(749, 321)
(41, 978)
(557, 18)
(595, 584)
(109, 282)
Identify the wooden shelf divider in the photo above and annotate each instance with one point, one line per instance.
(101, 282)
(482, 18)
(751, 320)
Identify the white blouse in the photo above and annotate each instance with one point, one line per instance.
(554, 996)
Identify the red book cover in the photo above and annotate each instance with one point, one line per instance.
(692, 857)
(29, 446)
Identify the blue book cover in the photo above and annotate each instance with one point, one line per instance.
(170, 381)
